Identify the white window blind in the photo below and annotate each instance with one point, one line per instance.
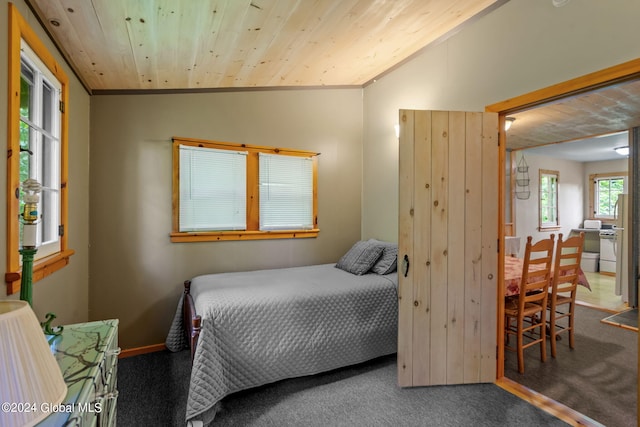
(213, 186)
(286, 192)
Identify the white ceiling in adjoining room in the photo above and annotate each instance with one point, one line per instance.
(586, 150)
(585, 127)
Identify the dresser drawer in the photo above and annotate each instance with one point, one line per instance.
(87, 354)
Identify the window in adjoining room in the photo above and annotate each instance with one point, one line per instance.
(603, 196)
(227, 191)
(37, 143)
(548, 200)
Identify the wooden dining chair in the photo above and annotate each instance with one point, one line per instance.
(529, 307)
(562, 296)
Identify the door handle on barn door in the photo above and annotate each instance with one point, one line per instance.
(405, 265)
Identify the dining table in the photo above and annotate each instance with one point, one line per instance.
(513, 275)
(512, 245)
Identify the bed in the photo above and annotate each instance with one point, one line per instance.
(247, 329)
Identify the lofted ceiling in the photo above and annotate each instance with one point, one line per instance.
(214, 44)
(202, 45)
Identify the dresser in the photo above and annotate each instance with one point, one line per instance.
(87, 354)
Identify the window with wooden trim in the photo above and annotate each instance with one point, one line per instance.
(37, 139)
(548, 218)
(603, 193)
(40, 145)
(229, 191)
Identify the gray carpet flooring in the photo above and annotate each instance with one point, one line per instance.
(153, 392)
(598, 378)
(628, 318)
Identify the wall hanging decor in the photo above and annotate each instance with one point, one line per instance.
(522, 180)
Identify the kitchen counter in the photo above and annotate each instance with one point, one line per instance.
(591, 238)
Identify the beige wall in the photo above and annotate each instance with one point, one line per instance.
(136, 272)
(522, 46)
(573, 192)
(570, 197)
(65, 292)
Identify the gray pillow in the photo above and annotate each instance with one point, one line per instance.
(388, 261)
(360, 258)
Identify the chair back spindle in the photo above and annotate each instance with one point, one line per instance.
(529, 308)
(564, 284)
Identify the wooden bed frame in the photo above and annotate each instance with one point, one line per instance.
(190, 320)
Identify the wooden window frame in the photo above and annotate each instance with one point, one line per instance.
(19, 30)
(541, 225)
(253, 231)
(592, 191)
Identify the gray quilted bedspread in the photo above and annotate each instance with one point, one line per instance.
(263, 326)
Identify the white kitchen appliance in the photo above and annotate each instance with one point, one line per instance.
(593, 224)
(591, 254)
(589, 261)
(608, 250)
(621, 246)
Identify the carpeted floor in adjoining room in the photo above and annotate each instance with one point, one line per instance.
(625, 319)
(153, 392)
(599, 378)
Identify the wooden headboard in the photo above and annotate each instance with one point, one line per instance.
(190, 320)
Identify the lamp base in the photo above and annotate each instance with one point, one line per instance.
(26, 281)
(26, 289)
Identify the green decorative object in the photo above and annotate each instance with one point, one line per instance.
(26, 281)
(46, 326)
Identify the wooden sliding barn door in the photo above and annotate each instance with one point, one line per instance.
(447, 258)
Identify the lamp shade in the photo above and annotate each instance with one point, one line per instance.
(31, 383)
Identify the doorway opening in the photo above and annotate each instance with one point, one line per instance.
(613, 80)
(593, 195)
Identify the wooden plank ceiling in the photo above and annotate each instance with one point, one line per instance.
(212, 44)
(599, 112)
(150, 45)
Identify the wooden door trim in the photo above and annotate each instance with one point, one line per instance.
(607, 77)
(617, 74)
(548, 405)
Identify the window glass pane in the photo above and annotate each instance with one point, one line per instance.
(603, 197)
(49, 174)
(40, 146)
(48, 110)
(50, 168)
(286, 192)
(607, 191)
(25, 147)
(27, 133)
(26, 90)
(49, 202)
(212, 189)
(548, 199)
